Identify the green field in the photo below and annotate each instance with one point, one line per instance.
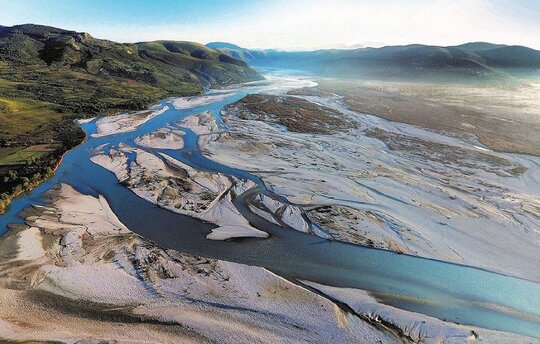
(21, 155)
(19, 115)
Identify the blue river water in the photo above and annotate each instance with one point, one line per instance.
(443, 290)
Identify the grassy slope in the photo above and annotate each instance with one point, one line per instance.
(49, 77)
(297, 115)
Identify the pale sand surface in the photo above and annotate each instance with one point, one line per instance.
(409, 190)
(30, 244)
(191, 102)
(85, 120)
(123, 123)
(165, 138)
(102, 282)
(201, 124)
(230, 232)
(416, 328)
(180, 188)
(426, 194)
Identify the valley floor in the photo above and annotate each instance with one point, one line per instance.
(74, 271)
(394, 186)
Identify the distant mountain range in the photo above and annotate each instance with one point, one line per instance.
(470, 61)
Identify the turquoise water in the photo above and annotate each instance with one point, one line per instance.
(447, 291)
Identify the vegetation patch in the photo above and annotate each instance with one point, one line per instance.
(296, 114)
(19, 115)
(24, 155)
(309, 92)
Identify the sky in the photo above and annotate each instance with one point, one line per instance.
(292, 24)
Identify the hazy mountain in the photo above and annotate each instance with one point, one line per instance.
(512, 57)
(479, 46)
(471, 61)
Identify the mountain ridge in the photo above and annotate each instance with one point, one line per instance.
(474, 61)
(35, 44)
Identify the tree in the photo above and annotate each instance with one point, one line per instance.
(25, 181)
(13, 175)
(36, 177)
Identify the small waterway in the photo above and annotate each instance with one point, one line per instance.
(447, 291)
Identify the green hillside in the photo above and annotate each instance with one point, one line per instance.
(50, 76)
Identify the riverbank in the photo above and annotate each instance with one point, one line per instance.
(43, 90)
(171, 184)
(43, 171)
(502, 117)
(270, 207)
